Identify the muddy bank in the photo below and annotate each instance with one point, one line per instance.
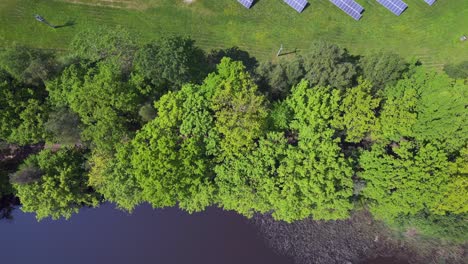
(358, 240)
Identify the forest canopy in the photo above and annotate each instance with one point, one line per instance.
(306, 136)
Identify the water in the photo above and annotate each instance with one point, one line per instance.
(164, 236)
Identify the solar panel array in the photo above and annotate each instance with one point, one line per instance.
(349, 7)
(430, 2)
(298, 5)
(395, 6)
(246, 3)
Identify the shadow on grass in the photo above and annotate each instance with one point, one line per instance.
(69, 23)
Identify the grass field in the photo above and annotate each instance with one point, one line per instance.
(430, 34)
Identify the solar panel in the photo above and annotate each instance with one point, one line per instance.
(246, 3)
(349, 7)
(298, 5)
(395, 6)
(354, 5)
(430, 2)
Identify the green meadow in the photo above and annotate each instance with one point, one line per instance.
(430, 34)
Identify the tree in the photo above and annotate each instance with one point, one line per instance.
(64, 126)
(170, 62)
(8, 201)
(327, 64)
(106, 104)
(61, 189)
(408, 180)
(169, 154)
(239, 112)
(240, 119)
(382, 69)
(426, 106)
(147, 113)
(276, 80)
(457, 71)
(414, 171)
(111, 176)
(23, 112)
(316, 176)
(357, 117)
(455, 195)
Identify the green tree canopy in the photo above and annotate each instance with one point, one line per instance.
(382, 69)
(327, 64)
(23, 111)
(64, 126)
(111, 176)
(170, 62)
(276, 79)
(406, 180)
(297, 176)
(169, 157)
(106, 104)
(426, 106)
(240, 113)
(457, 71)
(357, 112)
(57, 188)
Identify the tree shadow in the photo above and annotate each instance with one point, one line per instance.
(288, 52)
(8, 204)
(215, 56)
(69, 23)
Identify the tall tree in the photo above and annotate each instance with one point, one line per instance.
(426, 106)
(111, 176)
(422, 130)
(382, 69)
(409, 180)
(357, 112)
(106, 104)
(170, 62)
(276, 79)
(239, 112)
(457, 71)
(327, 64)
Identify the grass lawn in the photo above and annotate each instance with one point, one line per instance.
(430, 34)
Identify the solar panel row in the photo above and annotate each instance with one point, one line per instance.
(395, 6)
(349, 7)
(246, 3)
(298, 5)
(430, 2)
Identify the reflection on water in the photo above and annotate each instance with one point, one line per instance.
(163, 236)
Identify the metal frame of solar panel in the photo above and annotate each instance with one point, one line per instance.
(395, 6)
(430, 2)
(349, 7)
(246, 3)
(298, 5)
